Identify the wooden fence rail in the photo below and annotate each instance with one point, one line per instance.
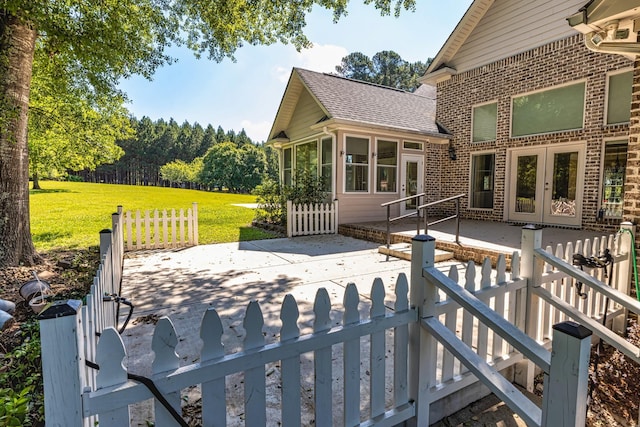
(161, 229)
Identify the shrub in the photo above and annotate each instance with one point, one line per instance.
(272, 197)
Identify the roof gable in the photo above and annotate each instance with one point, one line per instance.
(359, 102)
(496, 29)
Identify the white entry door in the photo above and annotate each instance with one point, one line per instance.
(411, 181)
(546, 185)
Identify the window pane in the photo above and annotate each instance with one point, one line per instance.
(410, 145)
(565, 177)
(286, 179)
(287, 158)
(526, 184)
(387, 160)
(482, 181)
(327, 161)
(485, 118)
(619, 98)
(615, 161)
(357, 164)
(548, 111)
(307, 157)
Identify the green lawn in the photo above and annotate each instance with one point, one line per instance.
(71, 214)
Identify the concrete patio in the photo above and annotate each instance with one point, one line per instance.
(183, 284)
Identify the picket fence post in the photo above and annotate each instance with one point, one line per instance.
(566, 386)
(624, 273)
(62, 344)
(531, 270)
(195, 223)
(422, 346)
(289, 218)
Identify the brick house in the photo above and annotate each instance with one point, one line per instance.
(539, 122)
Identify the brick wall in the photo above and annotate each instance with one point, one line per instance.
(556, 63)
(632, 181)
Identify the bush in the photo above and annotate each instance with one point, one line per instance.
(272, 203)
(22, 370)
(272, 197)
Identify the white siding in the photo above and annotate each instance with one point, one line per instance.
(513, 26)
(307, 113)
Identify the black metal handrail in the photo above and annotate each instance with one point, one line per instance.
(426, 216)
(437, 202)
(390, 220)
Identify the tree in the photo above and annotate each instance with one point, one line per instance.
(239, 169)
(99, 42)
(386, 68)
(68, 131)
(357, 66)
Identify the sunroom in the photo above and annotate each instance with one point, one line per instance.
(366, 142)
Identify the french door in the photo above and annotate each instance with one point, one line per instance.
(411, 181)
(546, 185)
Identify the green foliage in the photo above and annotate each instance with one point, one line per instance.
(22, 370)
(69, 128)
(180, 172)
(272, 203)
(308, 188)
(14, 407)
(240, 169)
(272, 198)
(386, 68)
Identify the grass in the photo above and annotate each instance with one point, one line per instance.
(70, 215)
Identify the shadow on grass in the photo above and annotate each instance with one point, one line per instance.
(50, 190)
(49, 236)
(254, 233)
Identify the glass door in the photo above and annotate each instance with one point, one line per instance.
(527, 172)
(546, 185)
(563, 185)
(411, 181)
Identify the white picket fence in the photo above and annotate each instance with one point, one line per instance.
(161, 229)
(99, 313)
(311, 219)
(439, 348)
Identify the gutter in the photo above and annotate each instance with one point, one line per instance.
(621, 48)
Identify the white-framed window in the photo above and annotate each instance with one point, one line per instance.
(619, 90)
(614, 163)
(356, 159)
(484, 121)
(557, 109)
(326, 163)
(482, 180)
(412, 145)
(287, 166)
(386, 166)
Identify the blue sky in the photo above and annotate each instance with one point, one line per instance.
(246, 93)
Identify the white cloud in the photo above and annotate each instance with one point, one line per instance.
(256, 131)
(321, 58)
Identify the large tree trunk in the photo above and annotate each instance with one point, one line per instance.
(17, 44)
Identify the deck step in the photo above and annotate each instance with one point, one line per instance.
(403, 251)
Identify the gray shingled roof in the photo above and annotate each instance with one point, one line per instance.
(363, 102)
